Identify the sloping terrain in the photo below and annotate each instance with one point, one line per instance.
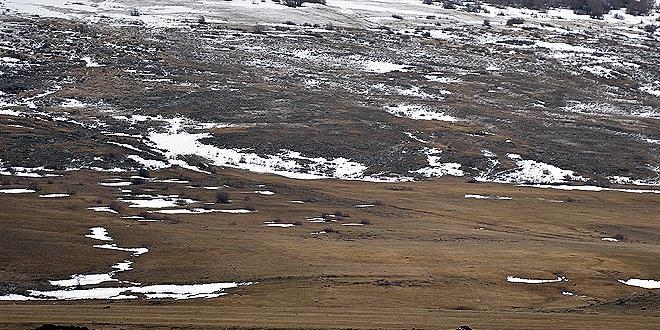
(359, 164)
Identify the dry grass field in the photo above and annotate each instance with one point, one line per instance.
(426, 256)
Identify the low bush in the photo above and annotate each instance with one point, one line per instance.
(117, 206)
(222, 197)
(514, 21)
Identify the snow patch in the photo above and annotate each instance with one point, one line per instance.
(418, 113)
(99, 233)
(513, 279)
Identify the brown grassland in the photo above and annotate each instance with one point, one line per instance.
(426, 257)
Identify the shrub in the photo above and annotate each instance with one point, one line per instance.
(341, 214)
(292, 3)
(138, 181)
(514, 21)
(289, 23)
(259, 29)
(650, 28)
(329, 230)
(222, 197)
(619, 237)
(642, 7)
(144, 173)
(117, 206)
(397, 16)
(298, 223)
(365, 222)
(486, 23)
(134, 12)
(34, 186)
(472, 8)
(201, 20)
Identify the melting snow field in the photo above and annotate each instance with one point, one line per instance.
(513, 279)
(418, 113)
(287, 163)
(162, 291)
(113, 246)
(158, 202)
(73, 291)
(99, 233)
(537, 172)
(646, 284)
(383, 67)
(437, 168)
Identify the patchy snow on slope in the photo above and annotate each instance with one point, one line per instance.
(102, 209)
(148, 163)
(161, 291)
(653, 89)
(81, 279)
(158, 202)
(116, 184)
(418, 113)
(646, 284)
(383, 67)
(99, 233)
(264, 192)
(72, 103)
(624, 180)
(599, 71)
(530, 171)
(286, 163)
(90, 63)
(113, 246)
(436, 167)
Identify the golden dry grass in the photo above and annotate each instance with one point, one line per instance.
(429, 258)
